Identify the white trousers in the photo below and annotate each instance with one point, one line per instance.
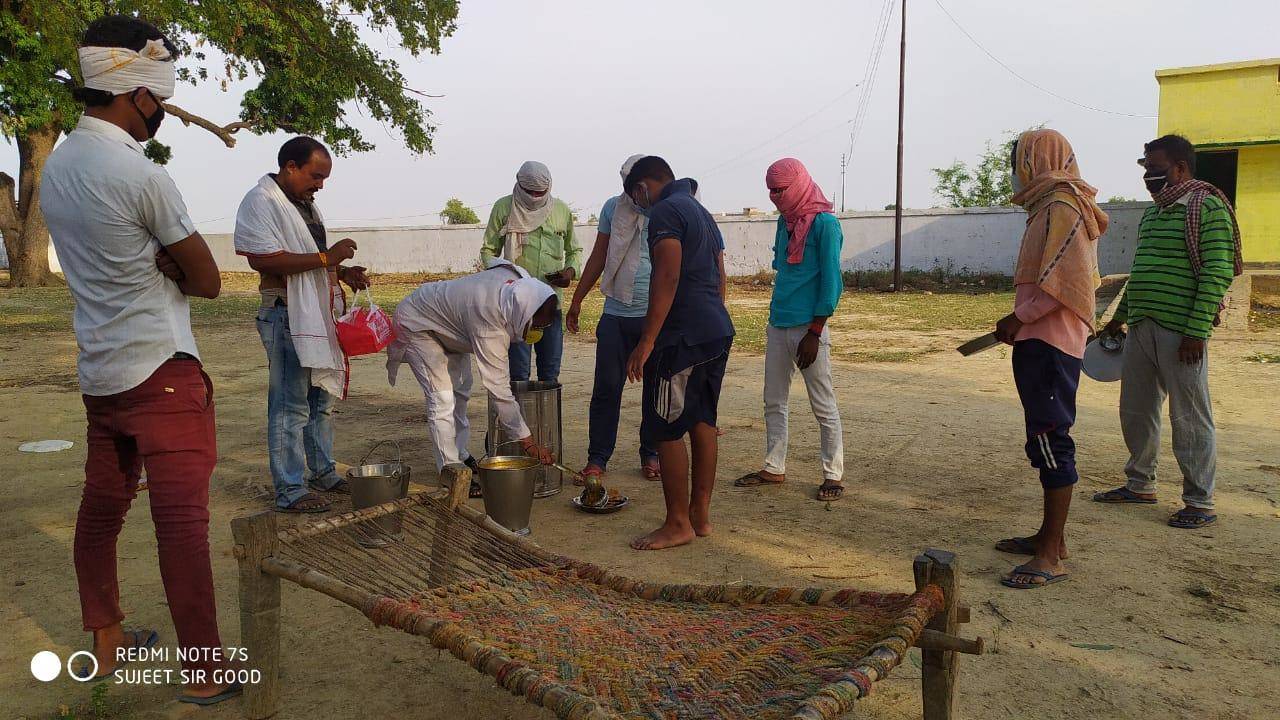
(779, 367)
(445, 378)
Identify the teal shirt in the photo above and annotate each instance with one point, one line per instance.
(812, 287)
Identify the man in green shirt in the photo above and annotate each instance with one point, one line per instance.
(535, 231)
(1188, 252)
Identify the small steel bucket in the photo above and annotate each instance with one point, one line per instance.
(373, 485)
(508, 482)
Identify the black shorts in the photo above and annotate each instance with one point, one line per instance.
(682, 388)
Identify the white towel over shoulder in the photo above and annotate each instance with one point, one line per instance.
(266, 224)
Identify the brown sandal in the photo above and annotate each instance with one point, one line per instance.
(830, 491)
(755, 479)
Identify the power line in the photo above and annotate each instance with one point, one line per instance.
(805, 119)
(869, 77)
(757, 146)
(868, 72)
(1024, 79)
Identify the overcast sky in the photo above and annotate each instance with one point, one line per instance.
(718, 88)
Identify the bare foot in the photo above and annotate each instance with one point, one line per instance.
(664, 537)
(701, 521)
(1028, 546)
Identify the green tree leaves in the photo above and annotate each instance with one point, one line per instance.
(988, 184)
(455, 213)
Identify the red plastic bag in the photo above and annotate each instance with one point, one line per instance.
(364, 331)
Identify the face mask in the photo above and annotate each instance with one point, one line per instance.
(1016, 182)
(1156, 180)
(152, 121)
(644, 206)
(532, 336)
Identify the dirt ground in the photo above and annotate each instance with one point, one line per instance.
(1154, 622)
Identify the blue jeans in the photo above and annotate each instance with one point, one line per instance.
(616, 338)
(299, 416)
(550, 349)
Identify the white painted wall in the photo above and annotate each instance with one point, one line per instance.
(963, 240)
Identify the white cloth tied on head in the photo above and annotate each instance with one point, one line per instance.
(626, 234)
(527, 212)
(120, 70)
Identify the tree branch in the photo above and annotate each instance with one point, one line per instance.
(225, 133)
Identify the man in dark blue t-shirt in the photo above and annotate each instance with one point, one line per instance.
(683, 348)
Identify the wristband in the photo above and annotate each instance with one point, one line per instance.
(324, 260)
(815, 329)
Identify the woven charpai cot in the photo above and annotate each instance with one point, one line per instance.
(586, 644)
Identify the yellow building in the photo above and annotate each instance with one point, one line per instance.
(1231, 112)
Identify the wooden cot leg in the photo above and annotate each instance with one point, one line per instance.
(457, 478)
(938, 671)
(255, 538)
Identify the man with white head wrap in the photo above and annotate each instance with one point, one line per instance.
(534, 230)
(132, 257)
(620, 261)
(442, 324)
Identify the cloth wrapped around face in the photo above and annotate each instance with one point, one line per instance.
(120, 70)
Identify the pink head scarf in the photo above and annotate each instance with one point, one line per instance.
(800, 200)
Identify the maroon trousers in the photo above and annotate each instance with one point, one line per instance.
(166, 425)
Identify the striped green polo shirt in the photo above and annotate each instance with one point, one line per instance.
(1162, 286)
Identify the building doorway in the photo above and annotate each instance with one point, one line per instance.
(1219, 168)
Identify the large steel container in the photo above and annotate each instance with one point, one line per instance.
(540, 404)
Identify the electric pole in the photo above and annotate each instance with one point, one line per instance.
(897, 206)
(844, 162)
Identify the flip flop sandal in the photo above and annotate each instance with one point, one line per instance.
(233, 690)
(318, 505)
(1049, 578)
(836, 490)
(1191, 519)
(1017, 546)
(475, 491)
(651, 472)
(755, 479)
(1122, 496)
(152, 638)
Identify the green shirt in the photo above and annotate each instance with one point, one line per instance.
(549, 248)
(1162, 286)
(810, 288)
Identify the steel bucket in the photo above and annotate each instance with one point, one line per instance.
(540, 405)
(373, 485)
(508, 483)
